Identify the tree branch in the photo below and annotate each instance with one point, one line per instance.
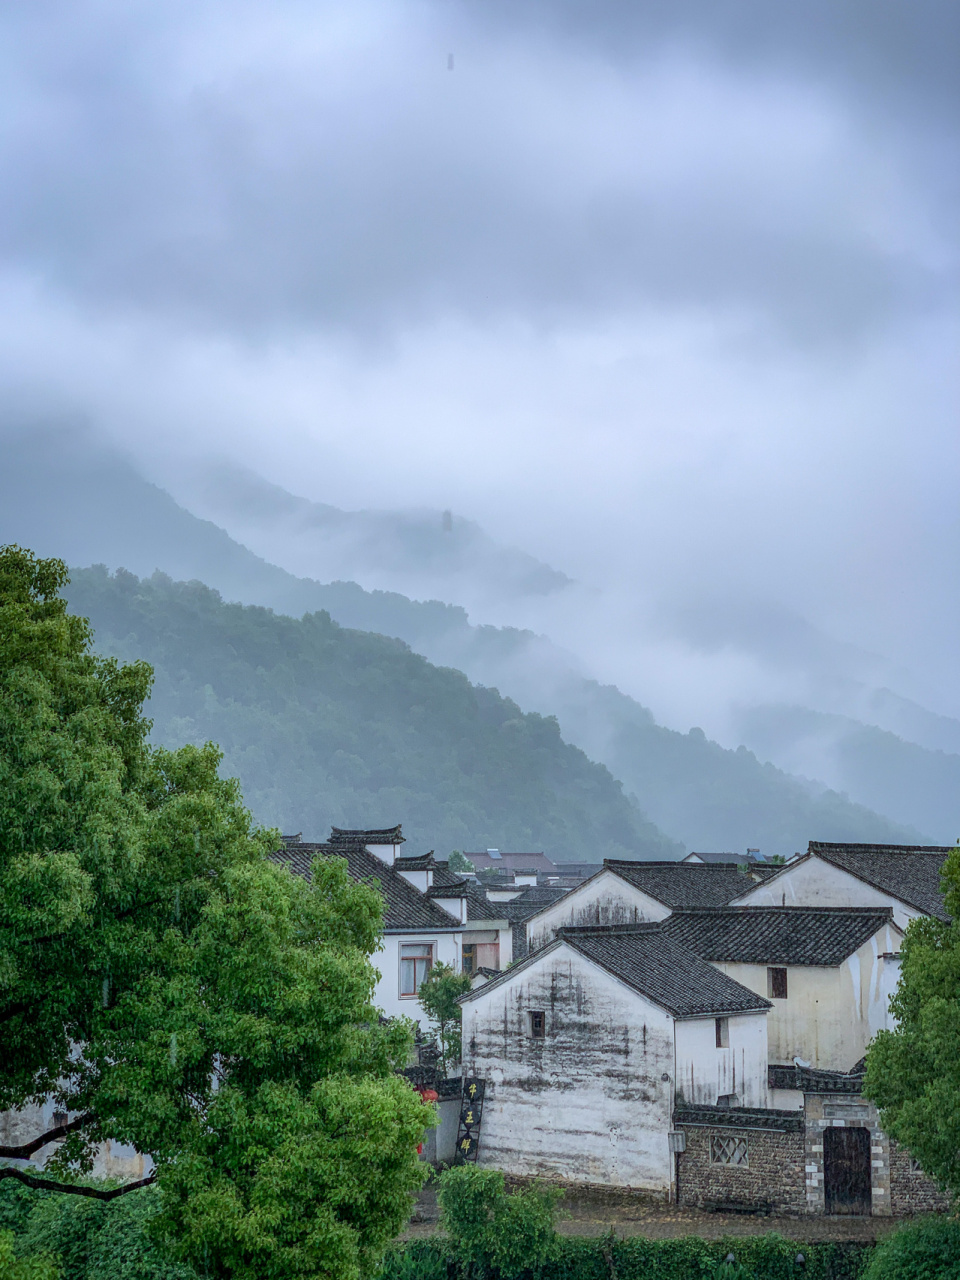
(48, 1184)
(26, 1149)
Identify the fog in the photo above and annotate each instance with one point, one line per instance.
(669, 303)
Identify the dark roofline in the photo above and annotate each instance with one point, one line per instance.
(738, 1117)
(815, 846)
(373, 835)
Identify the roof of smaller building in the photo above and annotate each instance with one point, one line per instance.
(777, 935)
(910, 873)
(811, 1080)
(485, 860)
(728, 859)
(738, 1117)
(448, 884)
(376, 835)
(688, 884)
(414, 861)
(406, 908)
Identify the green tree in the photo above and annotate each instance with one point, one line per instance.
(171, 987)
(511, 1235)
(438, 995)
(460, 862)
(913, 1072)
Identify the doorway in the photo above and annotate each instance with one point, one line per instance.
(846, 1170)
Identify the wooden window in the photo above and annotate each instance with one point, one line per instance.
(777, 984)
(729, 1149)
(469, 958)
(416, 961)
(723, 1033)
(538, 1024)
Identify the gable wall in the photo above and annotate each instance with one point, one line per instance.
(815, 883)
(605, 900)
(705, 1072)
(587, 1102)
(830, 1014)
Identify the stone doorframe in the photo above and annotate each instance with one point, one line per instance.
(824, 1111)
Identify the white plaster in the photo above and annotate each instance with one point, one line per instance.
(603, 899)
(814, 882)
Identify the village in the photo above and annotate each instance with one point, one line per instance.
(693, 1030)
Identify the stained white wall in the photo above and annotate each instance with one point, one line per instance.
(446, 949)
(705, 1072)
(815, 883)
(604, 899)
(589, 1101)
(830, 1014)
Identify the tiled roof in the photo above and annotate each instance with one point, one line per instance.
(739, 1118)
(381, 835)
(511, 861)
(908, 872)
(447, 884)
(646, 958)
(688, 884)
(415, 862)
(810, 1080)
(776, 935)
(406, 908)
(533, 899)
(727, 859)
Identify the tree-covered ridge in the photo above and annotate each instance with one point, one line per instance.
(327, 726)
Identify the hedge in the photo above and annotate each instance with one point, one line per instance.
(767, 1257)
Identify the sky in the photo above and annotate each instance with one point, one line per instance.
(664, 294)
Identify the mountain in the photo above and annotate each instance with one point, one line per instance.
(325, 725)
(63, 495)
(422, 553)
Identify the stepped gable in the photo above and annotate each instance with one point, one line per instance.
(776, 935)
(908, 872)
(405, 907)
(689, 884)
(383, 835)
(646, 958)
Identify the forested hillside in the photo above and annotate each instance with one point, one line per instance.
(324, 725)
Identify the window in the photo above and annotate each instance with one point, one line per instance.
(777, 984)
(538, 1024)
(416, 961)
(468, 961)
(723, 1033)
(60, 1118)
(915, 1165)
(729, 1149)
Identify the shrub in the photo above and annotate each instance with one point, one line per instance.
(14, 1268)
(924, 1250)
(510, 1235)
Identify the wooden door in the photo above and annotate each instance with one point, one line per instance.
(846, 1170)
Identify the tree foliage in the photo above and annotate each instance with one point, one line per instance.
(460, 862)
(171, 987)
(438, 995)
(510, 1235)
(913, 1072)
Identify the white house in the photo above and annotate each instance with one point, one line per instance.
(905, 878)
(625, 892)
(587, 1045)
(431, 916)
(828, 972)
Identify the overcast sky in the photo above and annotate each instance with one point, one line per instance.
(669, 300)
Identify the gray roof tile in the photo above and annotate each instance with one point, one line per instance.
(688, 884)
(776, 935)
(405, 908)
(646, 958)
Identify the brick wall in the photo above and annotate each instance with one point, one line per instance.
(773, 1176)
(911, 1191)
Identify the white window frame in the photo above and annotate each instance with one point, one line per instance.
(427, 956)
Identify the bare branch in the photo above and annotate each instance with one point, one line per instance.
(48, 1184)
(26, 1149)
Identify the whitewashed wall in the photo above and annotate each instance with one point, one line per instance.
(830, 1014)
(815, 883)
(705, 1072)
(587, 1102)
(446, 949)
(604, 899)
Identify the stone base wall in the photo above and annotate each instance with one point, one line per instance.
(911, 1191)
(772, 1179)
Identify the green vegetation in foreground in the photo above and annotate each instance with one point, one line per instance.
(222, 1007)
(323, 726)
(913, 1072)
(495, 1235)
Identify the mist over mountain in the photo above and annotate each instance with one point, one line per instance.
(60, 495)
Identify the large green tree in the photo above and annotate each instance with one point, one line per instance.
(913, 1072)
(172, 988)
